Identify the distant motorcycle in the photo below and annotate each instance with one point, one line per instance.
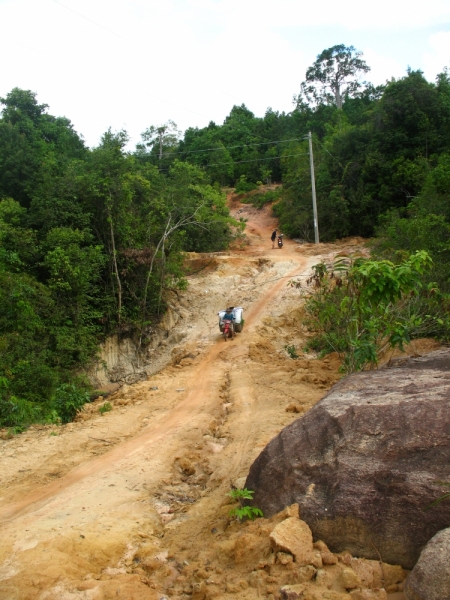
(227, 329)
(280, 241)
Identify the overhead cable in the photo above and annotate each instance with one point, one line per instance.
(236, 162)
(90, 20)
(230, 147)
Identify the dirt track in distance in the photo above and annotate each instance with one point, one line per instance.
(123, 505)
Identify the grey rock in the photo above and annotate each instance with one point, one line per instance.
(430, 578)
(363, 463)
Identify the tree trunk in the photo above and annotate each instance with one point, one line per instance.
(337, 94)
(116, 269)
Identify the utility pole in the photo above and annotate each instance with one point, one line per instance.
(313, 187)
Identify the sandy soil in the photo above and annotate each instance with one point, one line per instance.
(133, 503)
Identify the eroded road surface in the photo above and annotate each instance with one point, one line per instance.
(133, 503)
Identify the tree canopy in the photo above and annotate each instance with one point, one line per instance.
(91, 240)
(334, 75)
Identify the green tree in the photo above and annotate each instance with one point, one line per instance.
(334, 75)
(159, 142)
(34, 146)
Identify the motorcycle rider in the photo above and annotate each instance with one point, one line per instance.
(229, 316)
(273, 237)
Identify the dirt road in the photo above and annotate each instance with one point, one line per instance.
(122, 505)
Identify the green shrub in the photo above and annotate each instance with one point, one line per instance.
(243, 186)
(69, 400)
(260, 199)
(104, 408)
(359, 308)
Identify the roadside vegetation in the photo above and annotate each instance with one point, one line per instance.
(361, 308)
(92, 239)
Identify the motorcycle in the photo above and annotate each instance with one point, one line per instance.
(228, 329)
(280, 241)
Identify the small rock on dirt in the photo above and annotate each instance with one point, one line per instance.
(328, 558)
(295, 537)
(239, 483)
(305, 574)
(292, 592)
(215, 448)
(350, 579)
(186, 466)
(284, 558)
(293, 408)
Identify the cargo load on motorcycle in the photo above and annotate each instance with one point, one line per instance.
(238, 313)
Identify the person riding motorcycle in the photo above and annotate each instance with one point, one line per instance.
(229, 316)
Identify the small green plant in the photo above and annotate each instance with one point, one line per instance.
(244, 512)
(104, 408)
(16, 430)
(53, 433)
(291, 351)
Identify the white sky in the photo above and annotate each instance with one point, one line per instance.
(135, 63)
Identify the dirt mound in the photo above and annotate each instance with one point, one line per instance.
(268, 556)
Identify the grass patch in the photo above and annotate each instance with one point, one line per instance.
(104, 408)
(260, 199)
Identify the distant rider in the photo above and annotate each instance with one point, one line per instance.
(273, 237)
(229, 316)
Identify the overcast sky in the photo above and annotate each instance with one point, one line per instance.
(129, 64)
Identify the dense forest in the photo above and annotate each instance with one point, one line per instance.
(91, 239)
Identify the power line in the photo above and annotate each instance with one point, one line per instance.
(90, 20)
(25, 46)
(125, 40)
(237, 162)
(231, 147)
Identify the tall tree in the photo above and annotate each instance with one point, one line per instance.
(334, 75)
(160, 139)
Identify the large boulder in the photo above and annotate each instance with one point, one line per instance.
(364, 463)
(430, 578)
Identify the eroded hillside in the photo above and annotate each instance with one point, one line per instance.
(132, 503)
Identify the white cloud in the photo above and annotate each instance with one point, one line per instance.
(142, 62)
(435, 61)
(352, 14)
(382, 67)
